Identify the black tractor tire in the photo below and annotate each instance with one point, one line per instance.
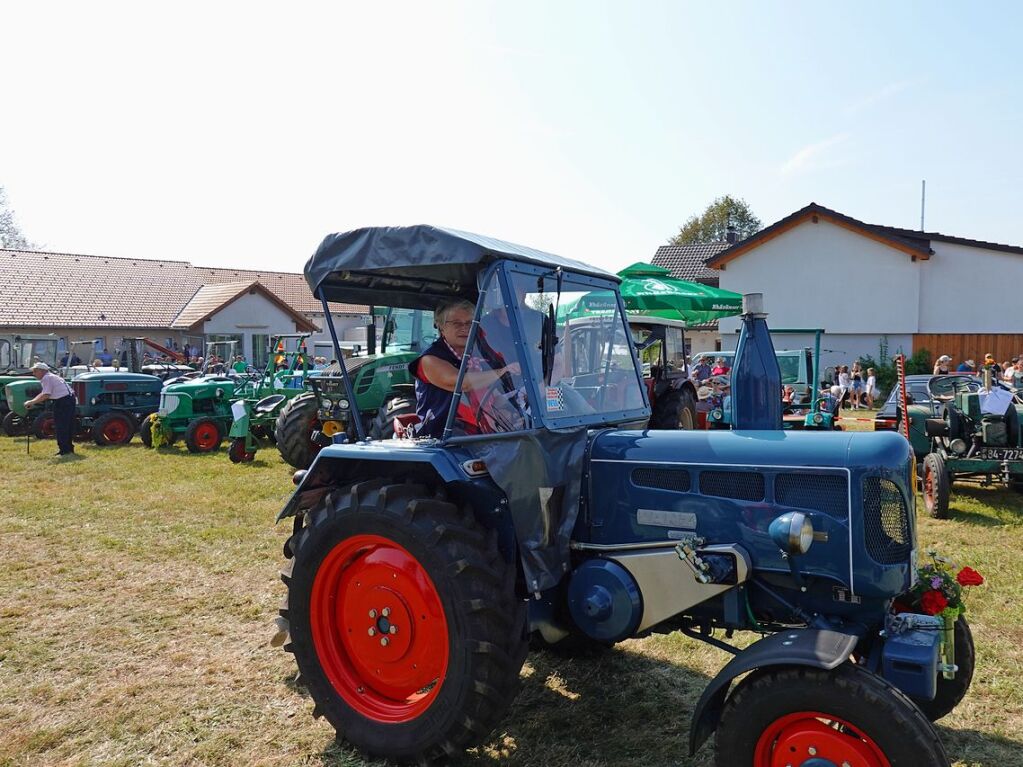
(375, 545)
(113, 429)
(237, 452)
(43, 426)
(675, 409)
(295, 425)
(952, 691)
(15, 425)
(383, 425)
(768, 710)
(203, 435)
(146, 430)
(936, 486)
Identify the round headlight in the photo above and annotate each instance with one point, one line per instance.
(326, 404)
(958, 447)
(343, 404)
(818, 418)
(716, 414)
(792, 532)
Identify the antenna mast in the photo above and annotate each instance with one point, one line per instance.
(923, 202)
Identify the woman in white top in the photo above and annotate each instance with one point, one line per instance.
(843, 380)
(871, 387)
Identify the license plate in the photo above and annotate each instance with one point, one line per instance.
(1000, 453)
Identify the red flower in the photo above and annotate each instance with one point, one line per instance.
(933, 602)
(969, 577)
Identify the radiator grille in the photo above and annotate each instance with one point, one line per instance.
(742, 485)
(827, 493)
(885, 522)
(663, 479)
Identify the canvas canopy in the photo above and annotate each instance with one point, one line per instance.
(414, 267)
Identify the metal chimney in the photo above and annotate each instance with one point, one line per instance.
(731, 236)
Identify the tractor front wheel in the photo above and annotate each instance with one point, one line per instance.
(952, 691)
(15, 425)
(43, 426)
(237, 452)
(383, 424)
(295, 426)
(936, 486)
(113, 429)
(204, 435)
(801, 715)
(675, 409)
(403, 620)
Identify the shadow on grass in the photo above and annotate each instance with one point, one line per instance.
(985, 507)
(983, 749)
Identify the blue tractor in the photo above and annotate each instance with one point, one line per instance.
(420, 568)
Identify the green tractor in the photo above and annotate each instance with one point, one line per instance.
(383, 390)
(17, 354)
(255, 414)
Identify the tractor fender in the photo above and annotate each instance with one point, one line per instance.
(347, 463)
(818, 648)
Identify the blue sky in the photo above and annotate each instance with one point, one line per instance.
(240, 134)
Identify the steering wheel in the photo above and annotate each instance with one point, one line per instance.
(498, 411)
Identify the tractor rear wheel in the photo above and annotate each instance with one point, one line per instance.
(295, 425)
(237, 452)
(675, 409)
(936, 486)
(146, 430)
(203, 435)
(15, 425)
(383, 424)
(404, 622)
(113, 429)
(43, 426)
(797, 715)
(952, 691)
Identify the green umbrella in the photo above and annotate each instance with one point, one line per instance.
(652, 291)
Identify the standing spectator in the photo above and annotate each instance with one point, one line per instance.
(56, 389)
(702, 370)
(943, 365)
(1009, 371)
(239, 366)
(105, 357)
(856, 385)
(870, 388)
(720, 367)
(966, 366)
(843, 383)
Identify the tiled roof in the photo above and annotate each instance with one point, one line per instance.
(210, 299)
(687, 262)
(73, 290)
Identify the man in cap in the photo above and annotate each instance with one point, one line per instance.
(966, 366)
(59, 392)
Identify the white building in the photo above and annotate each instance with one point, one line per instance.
(868, 285)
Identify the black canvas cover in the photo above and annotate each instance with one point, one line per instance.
(541, 474)
(413, 267)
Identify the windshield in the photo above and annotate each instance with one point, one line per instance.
(789, 362)
(38, 350)
(408, 330)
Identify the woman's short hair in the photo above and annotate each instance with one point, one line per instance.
(440, 314)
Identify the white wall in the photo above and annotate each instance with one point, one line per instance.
(250, 315)
(837, 348)
(823, 275)
(970, 290)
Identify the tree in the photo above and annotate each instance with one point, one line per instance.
(712, 225)
(10, 233)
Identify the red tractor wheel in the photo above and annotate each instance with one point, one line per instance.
(237, 452)
(936, 486)
(802, 715)
(203, 435)
(113, 429)
(403, 620)
(43, 426)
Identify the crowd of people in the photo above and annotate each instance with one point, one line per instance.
(1008, 371)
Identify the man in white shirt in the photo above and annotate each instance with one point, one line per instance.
(59, 392)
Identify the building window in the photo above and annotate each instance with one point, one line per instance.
(224, 345)
(260, 350)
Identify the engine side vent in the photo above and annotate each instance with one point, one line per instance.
(663, 479)
(885, 522)
(741, 485)
(366, 382)
(826, 493)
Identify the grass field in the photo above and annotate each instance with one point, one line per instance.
(139, 586)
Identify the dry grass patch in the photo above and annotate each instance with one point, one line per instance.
(139, 586)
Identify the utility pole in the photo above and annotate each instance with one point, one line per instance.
(923, 202)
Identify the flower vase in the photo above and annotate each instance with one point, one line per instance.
(947, 652)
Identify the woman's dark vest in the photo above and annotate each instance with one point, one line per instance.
(430, 398)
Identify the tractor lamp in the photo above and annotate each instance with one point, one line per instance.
(298, 476)
(716, 414)
(92, 401)
(958, 446)
(342, 404)
(792, 532)
(818, 418)
(326, 404)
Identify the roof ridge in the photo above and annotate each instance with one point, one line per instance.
(92, 255)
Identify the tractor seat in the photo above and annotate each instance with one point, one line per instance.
(267, 404)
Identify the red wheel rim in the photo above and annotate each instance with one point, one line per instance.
(928, 487)
(390, 681)
(47, 427)
(116, 430)
(205, 436)
(805, 735)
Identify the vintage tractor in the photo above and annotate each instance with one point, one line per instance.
(255, 414)
(418, 568)
(17, 354)
(976, 437)
(381, 382)
(662, 353)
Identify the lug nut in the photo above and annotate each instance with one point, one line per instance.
(812, 751)
(393, 629)
(372, 613)
(383, 641)
(372, 631)
(386, 611)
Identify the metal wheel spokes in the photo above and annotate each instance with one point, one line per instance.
(379, 629)
(810, 737)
